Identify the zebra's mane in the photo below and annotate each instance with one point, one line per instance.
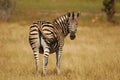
(61, 19)
(61, 23)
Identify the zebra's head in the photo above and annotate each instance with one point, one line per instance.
(72, 24)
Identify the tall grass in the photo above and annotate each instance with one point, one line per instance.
(93, 55)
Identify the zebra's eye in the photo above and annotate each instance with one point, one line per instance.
(67, 21)
(68, 24)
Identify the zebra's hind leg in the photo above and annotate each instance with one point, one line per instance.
(45, 57)
(45, 62)
(36, 56)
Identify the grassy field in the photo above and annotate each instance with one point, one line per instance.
(93, 55)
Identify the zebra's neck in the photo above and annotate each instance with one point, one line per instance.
(61, 23)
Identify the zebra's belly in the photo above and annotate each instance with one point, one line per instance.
(53, 48)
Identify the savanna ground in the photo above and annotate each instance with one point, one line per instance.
(93, 55)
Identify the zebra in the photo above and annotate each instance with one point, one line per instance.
(48, 37)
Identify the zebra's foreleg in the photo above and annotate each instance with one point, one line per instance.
(58, 56)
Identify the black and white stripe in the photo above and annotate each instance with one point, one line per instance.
(47, 38)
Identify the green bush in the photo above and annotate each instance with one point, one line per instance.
(109, 9)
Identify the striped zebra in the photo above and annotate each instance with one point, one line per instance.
(47, 38)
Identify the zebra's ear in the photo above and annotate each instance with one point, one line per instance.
(78, 14)
(68, 14)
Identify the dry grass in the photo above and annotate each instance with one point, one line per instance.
(94, 55)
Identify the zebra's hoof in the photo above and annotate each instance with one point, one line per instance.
(58, 72)
(43, 74)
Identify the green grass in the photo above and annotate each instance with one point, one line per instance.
(58, 4)
(31, 10)
(62, 5)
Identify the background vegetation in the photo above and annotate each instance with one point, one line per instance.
(31, 10)
(93, 55)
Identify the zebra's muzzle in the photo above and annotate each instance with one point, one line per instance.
(72, 36)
